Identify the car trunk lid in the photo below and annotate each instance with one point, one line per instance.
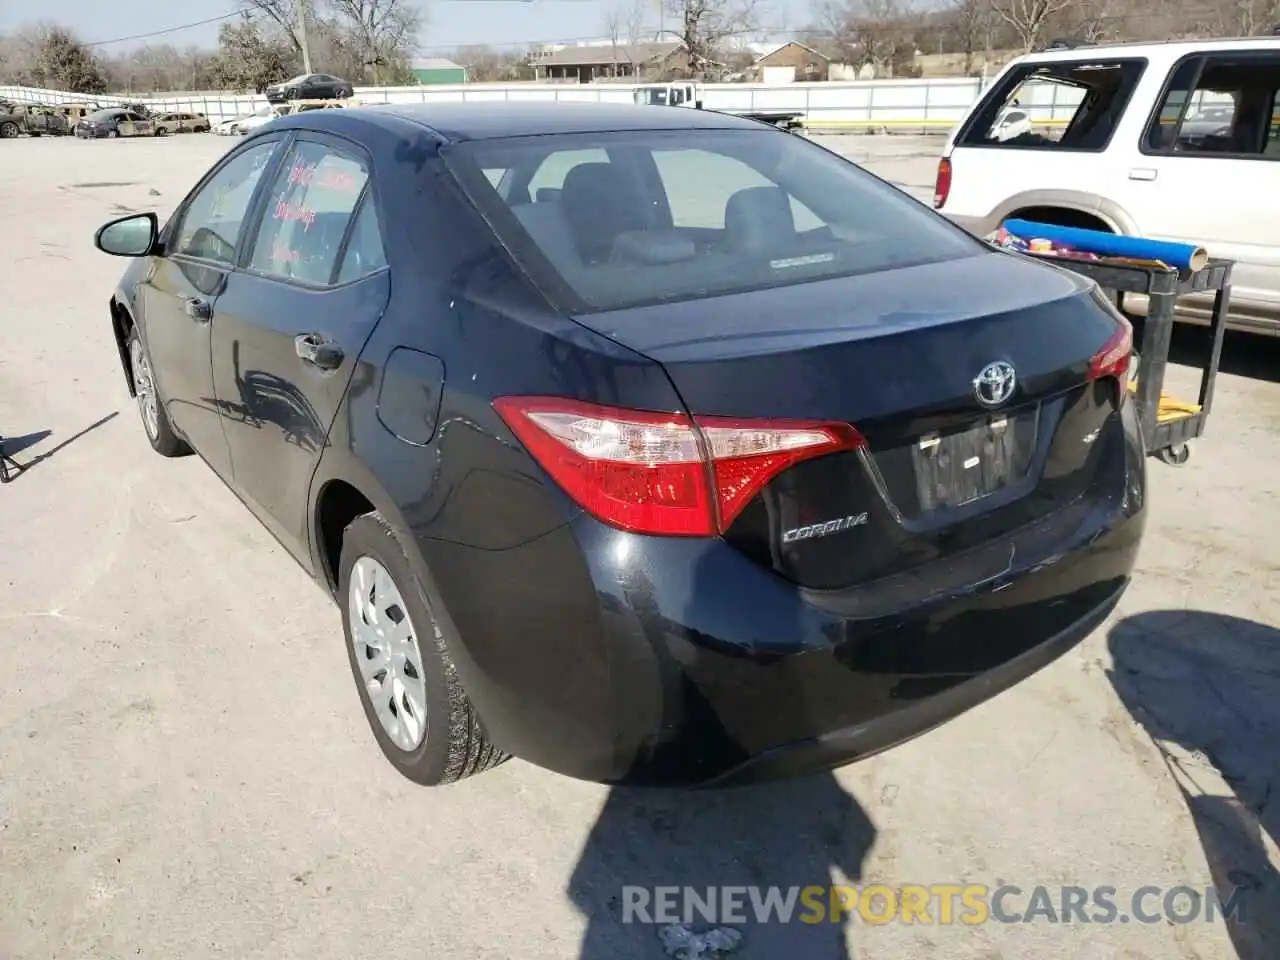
(919, 360)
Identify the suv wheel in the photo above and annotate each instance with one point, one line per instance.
(8, 130)
(412, 698)
(154, 419)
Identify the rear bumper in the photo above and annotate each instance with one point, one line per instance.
(619, 658)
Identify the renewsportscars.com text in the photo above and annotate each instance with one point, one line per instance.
(941, 904)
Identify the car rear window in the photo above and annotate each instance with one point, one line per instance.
(1055, 105)
(609, 220)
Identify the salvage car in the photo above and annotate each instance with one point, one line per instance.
(649, 446)
(46, 121)
(12, 119)
(167, 123)
(115, 122)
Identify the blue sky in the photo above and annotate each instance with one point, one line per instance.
(451, 23)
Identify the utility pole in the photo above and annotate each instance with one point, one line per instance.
(300, 14)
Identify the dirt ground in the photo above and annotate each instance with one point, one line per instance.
(185, 770)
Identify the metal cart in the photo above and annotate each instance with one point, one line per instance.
(1167, 424)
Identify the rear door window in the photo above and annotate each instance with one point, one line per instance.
(1216, 105)
(1060, 105)
(308, 210)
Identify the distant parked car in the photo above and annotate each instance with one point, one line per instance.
(310, 86)
(301, 106)
(167, 123)
(260, 116)
(229, 128)
(11, 120)
(115, 122)
(46, 121)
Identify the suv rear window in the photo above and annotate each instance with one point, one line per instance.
(610, 220)
(1059, 105)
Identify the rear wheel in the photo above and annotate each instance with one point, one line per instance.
(154, 419)
(113, 133)
(8, 130)
(412, 698)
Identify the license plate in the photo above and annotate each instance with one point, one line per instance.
(959, 468)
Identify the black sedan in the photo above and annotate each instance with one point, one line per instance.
(310, 86)
(650, 446)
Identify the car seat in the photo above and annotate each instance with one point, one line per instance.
(759, 220)
(600, 205)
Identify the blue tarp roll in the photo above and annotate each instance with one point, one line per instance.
(1183, 256)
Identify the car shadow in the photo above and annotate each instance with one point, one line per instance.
(13, 447)
(1206, 687)
(778, 837)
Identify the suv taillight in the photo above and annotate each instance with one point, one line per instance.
(664, 474)
(942, 185)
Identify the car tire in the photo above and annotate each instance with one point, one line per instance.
(431, 733)
(9, 130)
(112, 133)
(155, 422)
(161, 132)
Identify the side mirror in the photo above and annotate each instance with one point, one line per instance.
(132, 236)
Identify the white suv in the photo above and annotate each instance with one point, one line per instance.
(1174, 141)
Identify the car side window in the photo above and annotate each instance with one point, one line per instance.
(310, 205)
(213, 221)
(1216, 105)
(365, 254)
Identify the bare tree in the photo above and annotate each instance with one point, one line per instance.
(283, 14)
(1027, 18)
(704, 25)
(613, 29)
(971, 25)
(381, 32)
(875, 32)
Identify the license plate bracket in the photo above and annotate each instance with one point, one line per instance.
(958, 468)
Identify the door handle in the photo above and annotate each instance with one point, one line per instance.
(313, 348)
(197, 309)
(1142, 173)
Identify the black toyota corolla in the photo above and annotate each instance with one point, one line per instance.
(649, 446)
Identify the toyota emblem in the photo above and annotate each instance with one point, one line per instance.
(995, 383)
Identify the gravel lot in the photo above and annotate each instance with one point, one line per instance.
(185, 770)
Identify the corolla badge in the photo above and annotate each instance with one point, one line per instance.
(995, 383)
(823, 529)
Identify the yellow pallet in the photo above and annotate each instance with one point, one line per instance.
(1170, 408)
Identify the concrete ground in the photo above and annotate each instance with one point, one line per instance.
(185, 770)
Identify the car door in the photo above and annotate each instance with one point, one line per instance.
(1207, 184)
(292, 323)
(180, 291)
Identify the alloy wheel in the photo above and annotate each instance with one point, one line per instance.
(145, 389)
(387, 653)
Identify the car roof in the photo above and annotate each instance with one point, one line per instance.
(1164, 51)
(491, 120)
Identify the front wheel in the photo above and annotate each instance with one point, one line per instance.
(9, 130)
(112, 133)
(415, 705)
(154, 419)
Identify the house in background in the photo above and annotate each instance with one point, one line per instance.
(623, 61)
(791, 61)
(431, 70)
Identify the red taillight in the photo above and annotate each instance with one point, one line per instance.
(942, 185)
(1113, 359)
(663, 473)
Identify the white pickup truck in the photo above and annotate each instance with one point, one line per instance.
(683, 94)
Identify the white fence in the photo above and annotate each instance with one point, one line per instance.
(936, 104)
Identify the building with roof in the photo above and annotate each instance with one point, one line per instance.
(629, 61)
(431, 70)
(804, 63)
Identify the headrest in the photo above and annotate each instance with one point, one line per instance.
(759, 219)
